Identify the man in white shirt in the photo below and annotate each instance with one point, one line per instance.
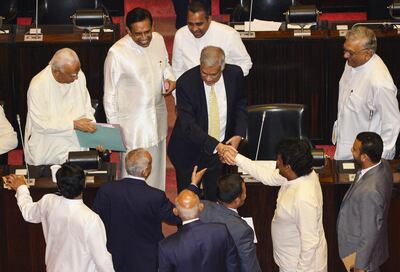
(137, 76)
(58, 103)
(298, 236)
(367, 96)
(75, 236)
(200, 32)
(8, 137)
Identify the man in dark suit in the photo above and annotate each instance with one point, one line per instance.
(197, 246)
(211, 110)
(132, 212)
(231, 195)
(362, 220)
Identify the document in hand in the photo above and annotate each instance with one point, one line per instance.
(349, 261)
(107, 135)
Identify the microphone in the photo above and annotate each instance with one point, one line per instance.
(23, 146)
(260, 134)
(249, 33)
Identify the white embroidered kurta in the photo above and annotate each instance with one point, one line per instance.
(75, 236)
(133, 78)
(367, 102)
(8, 137)
(187, 48)
(52, 108)
(297, 232)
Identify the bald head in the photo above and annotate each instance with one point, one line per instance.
(138, 163)
(188, 205)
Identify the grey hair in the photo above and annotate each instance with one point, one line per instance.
(187, 214)
(362, 33)
(211, 56)
(62, 57)
(136, 162)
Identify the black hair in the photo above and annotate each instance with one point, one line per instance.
(371, 145)
(229, 187)
(197, 6)
(138, 15)
(70, 180)
(297, 154)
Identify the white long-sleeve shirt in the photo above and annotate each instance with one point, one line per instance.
(298, 236)
(187, 48)
(52, 109)
(8, 137)
(75, 236)
(367, 102)
(133, 78)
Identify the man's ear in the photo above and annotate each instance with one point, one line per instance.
(175, 211)
(128, 31)
(201, 207)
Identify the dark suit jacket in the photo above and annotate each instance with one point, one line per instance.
(240, 231)
(132, 212)
(362, 219)
(189, 138)
(199, 247)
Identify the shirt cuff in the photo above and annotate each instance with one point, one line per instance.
(22, 190)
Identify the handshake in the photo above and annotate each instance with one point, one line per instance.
(227, 152)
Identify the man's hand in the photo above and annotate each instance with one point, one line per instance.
(358, 270)
(169, 86)
(234, 141)
(14, 181)
(84, 125)
(196, 176)
(229, 156)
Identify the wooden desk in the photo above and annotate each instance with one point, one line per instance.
(261, 203)
(22, 244)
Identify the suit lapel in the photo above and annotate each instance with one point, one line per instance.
(228, 86)
(356, 185)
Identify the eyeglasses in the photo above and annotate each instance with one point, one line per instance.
(353, 53)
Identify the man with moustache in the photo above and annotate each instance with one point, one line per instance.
(137, 76)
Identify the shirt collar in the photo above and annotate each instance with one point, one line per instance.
(189, 221)
(363, 171)
(135, 177)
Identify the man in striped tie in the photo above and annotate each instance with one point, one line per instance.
(211, 114)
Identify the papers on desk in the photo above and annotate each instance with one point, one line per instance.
(249, 221)
(261, 25)
(109, 136)
(296, 26)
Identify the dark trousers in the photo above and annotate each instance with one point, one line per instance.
(181, 8)
(214, 171)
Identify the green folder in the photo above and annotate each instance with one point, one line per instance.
(109, 136)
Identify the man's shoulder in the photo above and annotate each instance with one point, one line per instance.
(216, 26)
(232, 70)
(182, 32)
(216, 213)
(189, 75)
(40, 78)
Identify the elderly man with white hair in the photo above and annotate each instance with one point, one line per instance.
(58, 103)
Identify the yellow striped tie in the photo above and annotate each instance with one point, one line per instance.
(213, 115)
